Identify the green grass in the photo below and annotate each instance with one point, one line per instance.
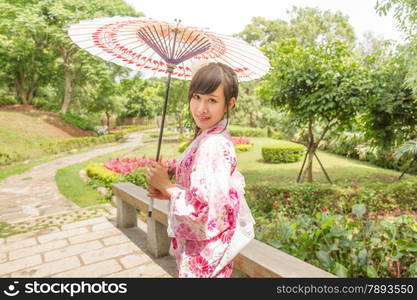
(341, 170)
(18, 168)
(74, 189)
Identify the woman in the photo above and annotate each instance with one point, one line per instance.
(209, 220)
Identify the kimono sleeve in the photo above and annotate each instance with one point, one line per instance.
(208, 207)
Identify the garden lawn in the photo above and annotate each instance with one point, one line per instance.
(341, 170)
(75, 189)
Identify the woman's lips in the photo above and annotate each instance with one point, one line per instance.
(202, 119)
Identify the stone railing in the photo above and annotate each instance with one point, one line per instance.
(256, 260)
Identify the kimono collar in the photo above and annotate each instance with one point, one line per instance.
(216, 128)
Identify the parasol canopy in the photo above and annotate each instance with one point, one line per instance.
(150, 46)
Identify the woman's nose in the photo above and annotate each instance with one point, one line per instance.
(202, 107)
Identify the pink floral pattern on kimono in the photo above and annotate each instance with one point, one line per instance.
(204, 206)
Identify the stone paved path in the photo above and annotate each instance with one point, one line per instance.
(34, 193)
(89, 248)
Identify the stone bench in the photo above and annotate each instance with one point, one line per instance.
(256, 260)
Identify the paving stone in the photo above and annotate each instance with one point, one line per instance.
(148, 270)
(61, 235)
(47, 269)
(26, 235)
(3, 257)
(72, 250)
(93, 236)
(108, 252)
(134, 260)
(37, 249)
(103, 226)
(84, 223)
(95, 270)
(118, 239)
(18, 245)
(19, 264)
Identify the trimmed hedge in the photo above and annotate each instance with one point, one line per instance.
(108, 177)
(183, 146)
(164, 134)
(76, 143)
(285, 153)
(98, 171)
(248, 132)
(77, 121)
(243, 147)
(309, 198)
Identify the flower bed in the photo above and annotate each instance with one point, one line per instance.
(343, 230)
(125, 169)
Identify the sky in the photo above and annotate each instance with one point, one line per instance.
(231, 16)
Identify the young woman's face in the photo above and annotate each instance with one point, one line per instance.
(209, 109)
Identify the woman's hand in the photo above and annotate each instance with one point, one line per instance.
(158, 181)
(154, 193)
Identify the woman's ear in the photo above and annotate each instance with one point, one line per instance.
(232, 103)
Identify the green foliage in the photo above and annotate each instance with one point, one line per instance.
(243, 147)
(306, 24)
(283, 153)
(78, 121)
(342, 245)
(76, 143)
(106, 176)
(310, 198)
(323, 83)
(8, 158)
(183, 146)
(238, 131)
(277, 135)
(164, 134)
(138, 177)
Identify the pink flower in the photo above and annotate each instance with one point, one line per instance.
(174, 243)
(233, 194)
(200, 266)
(241, 141)
(227, 236)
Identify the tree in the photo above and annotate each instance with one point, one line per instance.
(390, 114)
(143, 97)
(59, 15)
(320, 85)
(308, 25)
(25, 56)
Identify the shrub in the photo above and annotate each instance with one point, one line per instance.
(138, 177)
(277, 135)
(78, 121)
(246, 131)
(76, 143)
(284, 153)
(164, 134)
(183, 146)
(10, 157)
(106, 176)
(308, 198)
(243, 147)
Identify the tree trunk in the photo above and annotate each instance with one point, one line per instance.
(25, 95)
(311, 149)
(108, 115)
(68, 90)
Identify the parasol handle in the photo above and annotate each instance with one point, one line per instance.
(170, 69)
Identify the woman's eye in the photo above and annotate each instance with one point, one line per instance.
(212, 100)
(196, 96)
